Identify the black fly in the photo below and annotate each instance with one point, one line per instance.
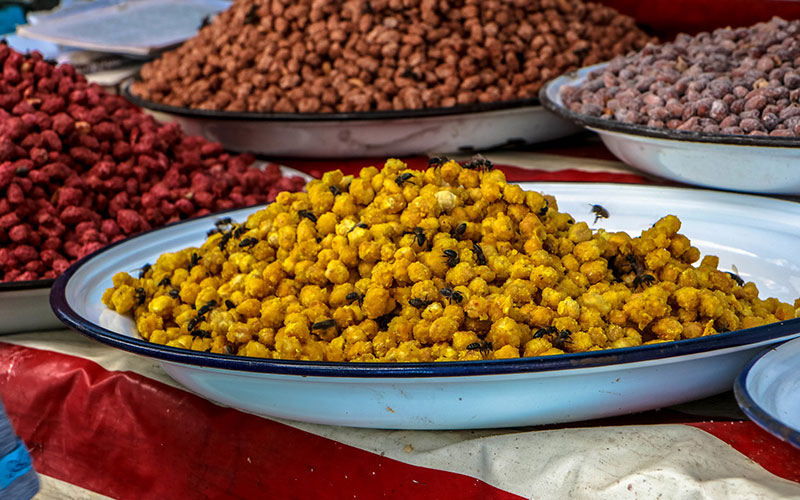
(545, 208)
(484, 347)
(644, 279)
(220, 226)
(239, 231)
(194, 322)
(451, 294)
(480, 163)
(599, 212)
(641, 278)
(164, 282)
(307, 214)
(146, 267)
(335, 190)
(203, 334)
(360, 224)
(193, 261)
(247, 242)
(541, 332)
(739, 281)
(562, 338)
(437, 161)
(383, 321)
(206, 21)
(452, 257)
(479, 256)
(229, 304)
(403, 178)
(419, 234)
(324, 325)
(174, 294)
(419, 303)
(140, 296)
(225, 239)
(353, 296)
(458, 231)
(207, 307)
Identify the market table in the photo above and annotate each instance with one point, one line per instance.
(100, 423)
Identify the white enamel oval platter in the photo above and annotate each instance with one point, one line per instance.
(758, 235)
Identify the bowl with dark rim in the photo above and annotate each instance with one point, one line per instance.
(457, 129)
(754, 164)
(751, 232)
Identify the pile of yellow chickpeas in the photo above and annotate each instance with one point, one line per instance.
(451, 263)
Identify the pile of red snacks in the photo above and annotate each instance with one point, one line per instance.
(81, 168)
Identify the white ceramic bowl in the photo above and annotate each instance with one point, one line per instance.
(768, 391)
(364, 134)
(758, 235)
(733, 162)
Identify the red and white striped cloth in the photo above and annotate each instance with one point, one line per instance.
(104, 423)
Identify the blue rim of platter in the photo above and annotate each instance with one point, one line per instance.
(608, 357)
(756, 413)
(610, 125)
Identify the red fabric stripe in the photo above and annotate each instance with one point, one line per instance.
(127, 436)
(586, 145)
(316, 168)
(517, 174)
(778, 457)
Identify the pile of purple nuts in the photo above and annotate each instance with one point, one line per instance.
(743, 81)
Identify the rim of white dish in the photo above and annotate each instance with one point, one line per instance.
(550, 98)
(755, 411)
(662, 351)
(323, 117)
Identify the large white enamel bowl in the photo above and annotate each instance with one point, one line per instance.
(365, 134)
(758, 235)
(732, 162)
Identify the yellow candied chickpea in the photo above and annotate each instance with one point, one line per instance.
(183, 342)
(250, 308)
(121, 279)
(442, 329)
(148, 322)
(506, 331)
(161, 305)
(256, 349)
(159, 337)
(123, 299)
(376, 302)
(513, 193)
(579, 233)
(587, 251)
(537, 347)
(460, 275)
(336, 272)
(506, 352)
(595, 270)
(344, 205)
(569, 307)
(418, 271)
(461, 340)
(668, 329)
